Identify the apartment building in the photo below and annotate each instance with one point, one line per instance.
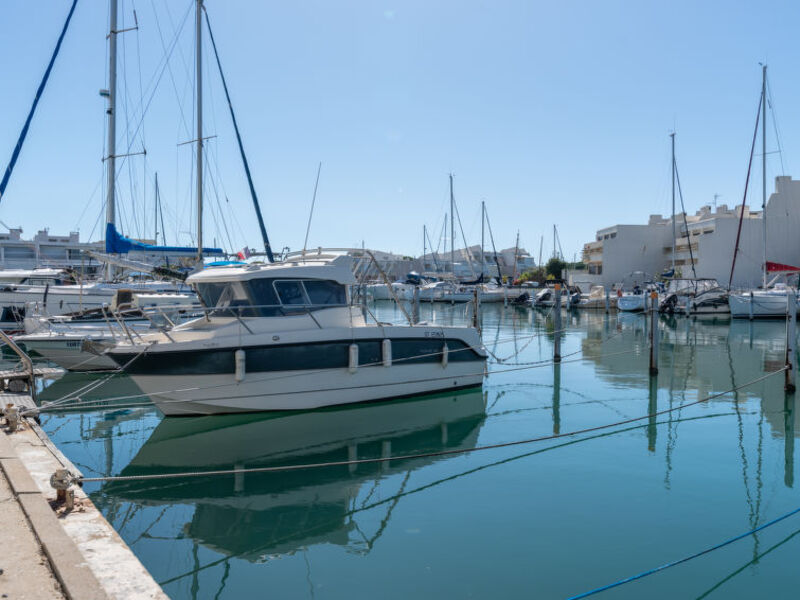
(623, 254)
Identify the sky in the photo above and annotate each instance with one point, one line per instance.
(550, 112)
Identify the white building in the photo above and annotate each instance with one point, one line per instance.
(622, 250)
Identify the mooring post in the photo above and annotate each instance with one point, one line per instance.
(415, 306)
(652, 409)
(751, 305)
(608, 302)
(687, 308)
(791, 325)
(788, 441)
(556, 399)
(557, 324)
(476, 307)
(653, 333)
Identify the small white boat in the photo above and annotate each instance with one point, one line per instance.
(596, 299)
(631, 302)
(761, 304)
(77, 342)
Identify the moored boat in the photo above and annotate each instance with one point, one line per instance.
(285, 336)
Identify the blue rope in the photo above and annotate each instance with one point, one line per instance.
(24, 132)
(663, 567)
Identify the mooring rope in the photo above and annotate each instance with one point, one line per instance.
(675, 563)
(450, 452)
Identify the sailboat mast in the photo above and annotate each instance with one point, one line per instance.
(672, 137)
(199, 82)
(483, 222)
(764, 168)
(424, 242)
(452, 229)
(111, 111)
(541, 245)
(155, 211)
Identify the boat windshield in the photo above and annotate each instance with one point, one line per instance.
(271, 297)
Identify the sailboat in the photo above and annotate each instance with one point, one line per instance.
(771, 300)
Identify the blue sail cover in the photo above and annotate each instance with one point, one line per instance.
(119, 244)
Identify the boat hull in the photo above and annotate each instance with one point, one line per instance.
(764, 306)
(631, 303)
(68, 353)
(303, 389)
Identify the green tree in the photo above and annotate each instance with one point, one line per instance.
(554, 267)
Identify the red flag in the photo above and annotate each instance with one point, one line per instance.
(773, 266)
(240, 255)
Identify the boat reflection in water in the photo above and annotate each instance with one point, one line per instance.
(252, 515)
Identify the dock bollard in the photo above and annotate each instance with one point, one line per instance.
(791, 326)
(653, 333)
(557, 324)
(61, 481)
(476, 307)
(608, 302)
(751, 305)
(11, 413)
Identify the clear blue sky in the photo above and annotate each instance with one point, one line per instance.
(553, 112)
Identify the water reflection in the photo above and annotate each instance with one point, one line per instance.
(258, 514)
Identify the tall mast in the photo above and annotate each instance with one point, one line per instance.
(155, 211)
(764, 168)
(112, 120)
(199, 80)
(424, 240)
(541, 245)
(672, 137)
(452, 230)
(483, 222)
(554, 241)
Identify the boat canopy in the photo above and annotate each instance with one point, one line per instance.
(119, 244)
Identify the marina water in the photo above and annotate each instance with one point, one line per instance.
(543, 520)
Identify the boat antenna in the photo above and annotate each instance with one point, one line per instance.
(744, 196)
(23, 134)
(311, 212)
(267, 247)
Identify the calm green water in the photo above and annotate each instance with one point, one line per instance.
(544, 520)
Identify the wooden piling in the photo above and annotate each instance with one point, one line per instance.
(653, 333)
(557, 324)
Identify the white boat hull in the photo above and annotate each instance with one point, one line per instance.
(765, 305)
(68, 353)
(302, 390)
(631, 302)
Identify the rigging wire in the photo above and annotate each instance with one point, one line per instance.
(452, 452)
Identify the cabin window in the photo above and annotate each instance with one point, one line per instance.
(291, 292)
(210, 293)
(325, 292)
(264, 297)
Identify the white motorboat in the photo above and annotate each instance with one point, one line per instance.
(596, 299)
(761, 304)
(76, 342)
(699, 296)
(632, 302)
(284, 336)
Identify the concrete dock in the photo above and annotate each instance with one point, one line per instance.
(46, 550)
